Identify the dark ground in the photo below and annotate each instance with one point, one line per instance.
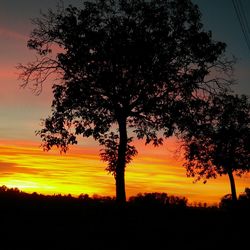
(65, 223)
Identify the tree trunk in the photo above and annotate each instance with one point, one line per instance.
(120, 171)
(232, 183)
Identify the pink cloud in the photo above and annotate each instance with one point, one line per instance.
(7, 72)
(12, 34)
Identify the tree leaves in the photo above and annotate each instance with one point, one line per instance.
(220, 142)
(129, 63)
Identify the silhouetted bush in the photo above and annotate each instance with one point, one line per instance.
(245, 196)
(243, 201)
(158, 199)
(226, 201)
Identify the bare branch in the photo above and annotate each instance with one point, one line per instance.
(36, 73)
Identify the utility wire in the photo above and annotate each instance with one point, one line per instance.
(242, 20)
(238, 7)
(244, 15)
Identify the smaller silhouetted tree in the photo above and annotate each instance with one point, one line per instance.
(217, 141)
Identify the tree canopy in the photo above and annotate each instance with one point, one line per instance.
(218, 140)
(121, 65)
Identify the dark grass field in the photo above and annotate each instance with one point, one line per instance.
(40, 222)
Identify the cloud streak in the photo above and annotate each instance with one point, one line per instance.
(24, 165)
(7, 33)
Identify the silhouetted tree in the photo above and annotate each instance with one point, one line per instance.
(217, 142)
(119, 64)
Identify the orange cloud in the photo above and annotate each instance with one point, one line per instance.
(26, 166)
(32, 169)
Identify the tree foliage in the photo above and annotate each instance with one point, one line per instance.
(121, 64)
(110, 151)
(217, 142)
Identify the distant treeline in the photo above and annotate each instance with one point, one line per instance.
(15, 196)
(150, 199)
(149, 220)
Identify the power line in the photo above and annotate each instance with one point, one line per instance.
(238, 7)
(244, 15)
(242, 20)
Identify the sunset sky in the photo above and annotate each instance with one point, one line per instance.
(23, 163)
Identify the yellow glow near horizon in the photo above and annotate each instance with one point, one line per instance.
(25, 166)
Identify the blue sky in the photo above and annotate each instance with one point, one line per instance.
(220, 18)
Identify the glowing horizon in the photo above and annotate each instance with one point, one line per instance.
(24, 165)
